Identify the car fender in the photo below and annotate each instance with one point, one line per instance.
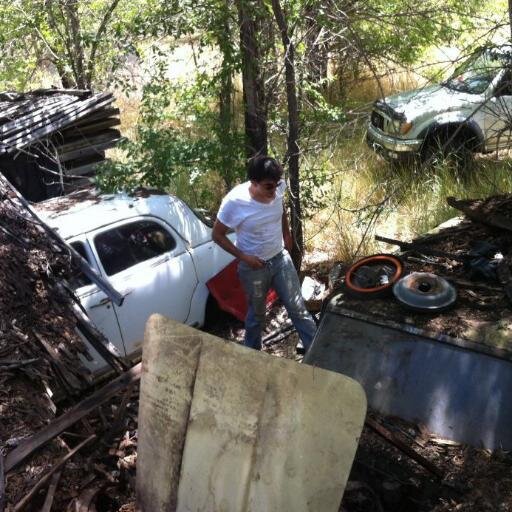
(451, 121)
(209, 259)
(197, 312)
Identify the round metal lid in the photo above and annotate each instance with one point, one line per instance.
(423, 291)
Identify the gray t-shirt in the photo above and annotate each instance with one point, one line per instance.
(258, 226)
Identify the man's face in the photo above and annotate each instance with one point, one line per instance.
(267, 188)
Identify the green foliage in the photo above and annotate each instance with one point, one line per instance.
(364, 196)
(188, 140)
(373, 37)
(85, 41)
(169, 161)
(189, 135)
(323, 111)
(180, 146)
(16, 40)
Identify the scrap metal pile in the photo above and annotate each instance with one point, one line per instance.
(456, 281)
(473, 258)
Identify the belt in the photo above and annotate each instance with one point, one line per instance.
(280, 253)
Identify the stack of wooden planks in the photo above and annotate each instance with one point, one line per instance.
(61, 133)
(42, 331)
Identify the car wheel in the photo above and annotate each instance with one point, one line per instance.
(215, 316)
(455, 153)
(461, 156)
(432, 153)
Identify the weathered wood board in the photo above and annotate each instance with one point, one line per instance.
(226, 428)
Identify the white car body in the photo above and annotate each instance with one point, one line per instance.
(172, 283)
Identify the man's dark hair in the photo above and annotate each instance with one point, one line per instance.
(264, 168)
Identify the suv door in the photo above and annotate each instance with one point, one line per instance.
(498, 112)
(148, 263)
(96, 303)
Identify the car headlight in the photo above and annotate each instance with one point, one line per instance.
(401, 127)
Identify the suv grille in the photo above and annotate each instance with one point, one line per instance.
(377, 120)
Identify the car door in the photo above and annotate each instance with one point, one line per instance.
(96, 303)
(498, 112)
(148, 263)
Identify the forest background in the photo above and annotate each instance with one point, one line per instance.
(203, 85)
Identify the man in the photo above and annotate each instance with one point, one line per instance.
(255, 211)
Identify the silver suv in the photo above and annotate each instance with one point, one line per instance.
(470, 112)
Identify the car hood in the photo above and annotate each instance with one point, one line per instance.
(434, 99)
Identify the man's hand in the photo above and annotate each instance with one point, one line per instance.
(253, 261)
(219, 235)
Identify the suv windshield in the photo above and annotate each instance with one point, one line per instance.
(475, 75)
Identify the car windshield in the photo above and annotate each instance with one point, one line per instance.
(476, 74)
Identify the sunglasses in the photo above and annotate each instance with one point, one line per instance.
(270, 186)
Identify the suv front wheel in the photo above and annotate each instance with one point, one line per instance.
(455, 151)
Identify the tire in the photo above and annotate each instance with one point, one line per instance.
(395, 270)
(214, 315)
(460, 153)
(454, 152)
(432, 152)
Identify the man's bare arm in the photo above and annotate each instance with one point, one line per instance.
(219, 235)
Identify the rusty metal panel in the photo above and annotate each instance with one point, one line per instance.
(457, 391)
(226, 428)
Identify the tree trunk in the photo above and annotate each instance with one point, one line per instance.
(510, 17)
(252, 78)
(224, 40)
(65, 78)
(293, 136)
(225, 126)
(91, 65)
(54, 8)
(76, 43)
(317, 56)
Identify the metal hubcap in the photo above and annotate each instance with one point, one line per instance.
(423, 291)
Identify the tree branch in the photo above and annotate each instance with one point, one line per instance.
(97, 38)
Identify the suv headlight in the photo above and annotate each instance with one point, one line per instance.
(400, 126)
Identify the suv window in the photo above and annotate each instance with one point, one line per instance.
(476, 74)
(79, 279)
(505, 86)
(124, 246)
